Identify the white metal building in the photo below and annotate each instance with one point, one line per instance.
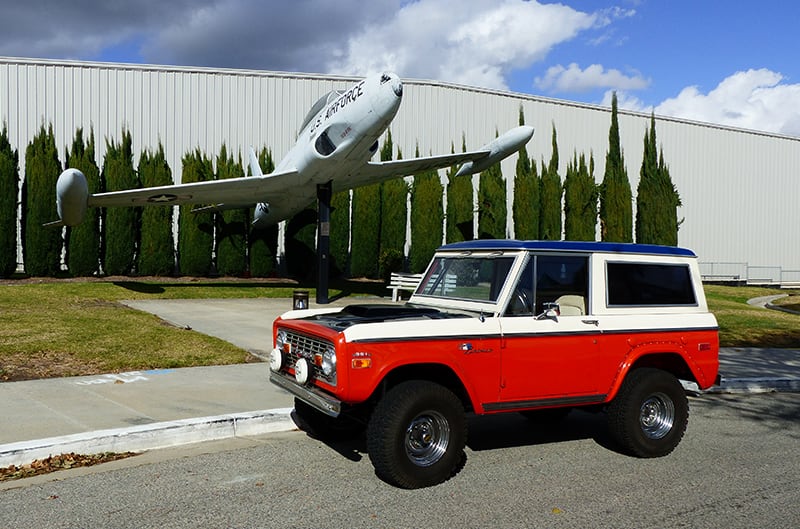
(740, 189)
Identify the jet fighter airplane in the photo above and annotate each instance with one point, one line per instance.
(337, 139)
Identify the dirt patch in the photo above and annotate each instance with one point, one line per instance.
(59, 462)
(46, 364)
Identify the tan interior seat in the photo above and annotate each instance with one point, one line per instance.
(571, 305)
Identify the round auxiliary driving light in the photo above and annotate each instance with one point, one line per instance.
(302, 371)
(275, 360)
(329, 361)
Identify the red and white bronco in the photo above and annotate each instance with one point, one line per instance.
(501, 326)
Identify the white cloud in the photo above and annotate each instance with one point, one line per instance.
(755, 99)
(298, 36)
(476, 42)
(573, 79)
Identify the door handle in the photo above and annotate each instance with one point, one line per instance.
(596, 323)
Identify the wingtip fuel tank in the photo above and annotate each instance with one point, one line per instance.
(72, 195)
(499, 148)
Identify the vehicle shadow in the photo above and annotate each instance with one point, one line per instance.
(514, 430)
(502, 431)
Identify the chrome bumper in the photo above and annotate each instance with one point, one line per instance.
(316, 398)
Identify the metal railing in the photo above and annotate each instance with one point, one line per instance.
(743, 273)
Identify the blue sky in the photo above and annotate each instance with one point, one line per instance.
(676, 44)
(723, 62)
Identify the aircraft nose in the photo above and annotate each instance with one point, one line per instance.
(397, 87)
(394, 81)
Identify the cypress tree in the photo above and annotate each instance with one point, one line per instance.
(232, 225)
(366, 231)
(340, 233)
(460, 208)
(525, 208)
(671, 200)
(301, 241)
(492, 209)
(366, 228)
(426, 219)
(121, 225)
(616, 207)
(263, 241)
(9, 188)
(580, 200)
(394, 213)
(656, 197)
(196, 230)
(41, 246)
(157, 249)
(83, 241)
(550, 219)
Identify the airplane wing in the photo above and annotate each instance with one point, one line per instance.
(233, 192)
(377, 171)
(471, 162)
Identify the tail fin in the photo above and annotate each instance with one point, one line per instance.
(255, 168)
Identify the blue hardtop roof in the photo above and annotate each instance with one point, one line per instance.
(568, 246)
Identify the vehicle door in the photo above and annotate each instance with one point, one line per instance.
(549, 340)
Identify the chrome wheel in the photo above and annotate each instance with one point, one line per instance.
(657, 416)
(427, 438)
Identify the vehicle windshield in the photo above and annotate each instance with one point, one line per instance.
(466, 278)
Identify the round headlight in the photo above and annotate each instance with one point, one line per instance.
(280, 339)
(329, 361)
(275, 360)
(302, 371)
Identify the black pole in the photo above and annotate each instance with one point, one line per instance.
(323, 241)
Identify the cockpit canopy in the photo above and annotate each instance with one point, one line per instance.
(319, 105)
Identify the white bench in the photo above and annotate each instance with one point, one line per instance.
(399, 281)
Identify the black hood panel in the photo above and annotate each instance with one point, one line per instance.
(376, 313)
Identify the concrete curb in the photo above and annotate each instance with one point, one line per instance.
(151, 436)
(186, 431)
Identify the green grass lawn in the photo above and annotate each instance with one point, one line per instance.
(64, 328)
(741, 325)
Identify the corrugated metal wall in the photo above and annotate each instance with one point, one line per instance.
(740, 189)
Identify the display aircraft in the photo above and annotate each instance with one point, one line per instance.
(337, 140)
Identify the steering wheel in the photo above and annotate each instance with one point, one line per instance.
(520, 302)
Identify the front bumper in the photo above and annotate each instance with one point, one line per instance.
(316, 398)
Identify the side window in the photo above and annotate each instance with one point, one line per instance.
(645, 284)
(561, 279)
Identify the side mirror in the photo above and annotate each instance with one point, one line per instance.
(551, 311)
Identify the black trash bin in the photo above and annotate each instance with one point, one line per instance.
(300, 300)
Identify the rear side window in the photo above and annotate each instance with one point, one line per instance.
(644, 284)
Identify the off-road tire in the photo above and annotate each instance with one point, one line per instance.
(416, 435)
(649, 415)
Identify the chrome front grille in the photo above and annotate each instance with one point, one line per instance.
(306, 347)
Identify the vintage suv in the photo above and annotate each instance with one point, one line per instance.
(505, 326)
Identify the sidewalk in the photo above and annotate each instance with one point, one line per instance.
(160, 408)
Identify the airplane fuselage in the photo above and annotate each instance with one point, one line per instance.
(335, 144)
(339, 135)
